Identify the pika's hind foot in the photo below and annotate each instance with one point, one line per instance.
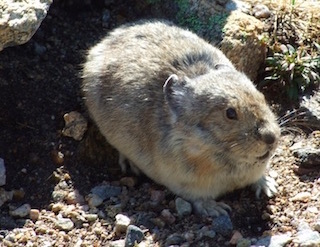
(123, 162)
(266, 184)
(210, 207)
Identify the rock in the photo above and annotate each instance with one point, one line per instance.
(5, 196)
(106, 191)
(243, 242)
(74, 197)
(301, 197)
(235, 238)
(261, 11)
(117, 243)
(167, 216)
(134, 236)
(19, 20)
(122, 223)
(183, 207)
(241, 43)
(275, 241)
(64, 224)
(306, 237)
(175, 239)
(94, 200)
(59, 195)
(21, 211)
(91, 217)
(311, 105)
(317, 225)
(222, 225)
(2, 173)
(157, 196)
(128, 181)
(308, 156)
(75, 125)
(34, 214)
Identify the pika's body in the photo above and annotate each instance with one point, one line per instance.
(176, 108)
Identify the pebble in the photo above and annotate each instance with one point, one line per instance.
(2, 173)
(117, 243)
(174, 239)
(75, 125)
(34, 214)
(21, 211)
(57, 207)
(183, 207)
(94, 200)
(74, 197)
(59, 195)
(157, 196)
(91, 217)
(122, 223)
(134, 236)
(261, 11)
(317, 225)
(64, 224)
(306, 236)
(301, 197)
(106, 191)
(244, 243)
(128, 181)
(274, 241)
(5, 196)
(235, 238)
(222, 225)
(167, 216)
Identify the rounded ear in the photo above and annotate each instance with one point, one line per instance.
(176, 94)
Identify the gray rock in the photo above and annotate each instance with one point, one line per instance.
(5, 196)
(134, 236)
(2, 173)
(21, 211)
(274, 241)
(308, 156)
(19, 20)
(306, 237)
(174, 239)
(222, 225)
(106, 191)
(183, 207)
(64, 224)
(75, 125)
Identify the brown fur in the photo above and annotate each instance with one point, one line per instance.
(179, 133)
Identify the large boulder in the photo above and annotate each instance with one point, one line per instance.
(19, 20)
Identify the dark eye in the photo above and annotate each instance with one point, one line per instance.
(231, 114)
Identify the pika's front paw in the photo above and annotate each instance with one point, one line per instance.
(210, 207)
(266, 184)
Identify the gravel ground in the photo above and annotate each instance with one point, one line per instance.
(54, 197)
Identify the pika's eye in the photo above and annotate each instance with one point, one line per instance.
(231, 113)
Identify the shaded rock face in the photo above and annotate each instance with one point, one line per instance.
(241, 43)
(19, 20)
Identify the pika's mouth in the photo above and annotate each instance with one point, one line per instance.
(266, 155)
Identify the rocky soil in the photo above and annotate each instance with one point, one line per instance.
(58, 191)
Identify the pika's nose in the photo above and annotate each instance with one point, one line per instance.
(268, 138)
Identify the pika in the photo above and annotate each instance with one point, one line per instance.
(177, 109)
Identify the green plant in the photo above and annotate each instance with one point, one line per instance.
(295, 69)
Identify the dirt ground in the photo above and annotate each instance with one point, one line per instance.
(40, 82)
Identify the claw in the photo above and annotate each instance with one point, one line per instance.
(266, 184)
(211, 208)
